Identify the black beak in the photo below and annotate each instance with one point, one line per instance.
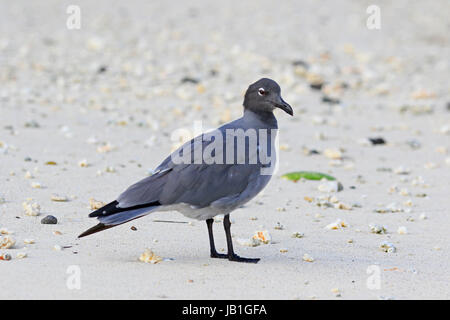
(283, 105)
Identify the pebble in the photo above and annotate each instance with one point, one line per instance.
(377, 141)
(49, 220)
(5, 256)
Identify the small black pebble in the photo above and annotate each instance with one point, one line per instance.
(329, 100)
(316, 86)
(49, 220)
(312, 151)
(352, 187)
(102, 69)
(27, 159)
(189, 80)
(300, 63)
(376, 141)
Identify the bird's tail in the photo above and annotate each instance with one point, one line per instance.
(111, 216)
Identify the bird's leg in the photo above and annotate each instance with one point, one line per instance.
(231, 255)
(214, 254)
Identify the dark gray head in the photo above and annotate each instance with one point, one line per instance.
(264, 96)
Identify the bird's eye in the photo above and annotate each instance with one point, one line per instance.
(262, 92)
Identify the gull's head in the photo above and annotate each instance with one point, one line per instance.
(265, 96)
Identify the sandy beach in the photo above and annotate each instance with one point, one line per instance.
(86, 112)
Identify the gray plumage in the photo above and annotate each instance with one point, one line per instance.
(208, 185)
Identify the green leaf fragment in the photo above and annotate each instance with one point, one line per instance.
(308, 175)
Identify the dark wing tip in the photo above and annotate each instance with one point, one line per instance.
(108, 209)
(97, 228)
(112, 208)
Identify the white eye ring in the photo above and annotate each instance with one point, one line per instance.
(261, 91)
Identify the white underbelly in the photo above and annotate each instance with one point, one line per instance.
(194, 213)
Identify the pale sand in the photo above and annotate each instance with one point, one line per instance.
(48, 75)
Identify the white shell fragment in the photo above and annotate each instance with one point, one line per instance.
(306, 257)
(329, 202)
(338, 224)
(36, 185)
(58, 198)
(252, 242)
(333, 154)
(423, 216)
(21, 255)
(387, 247)
(262, 236)
(83, 163)
(330, 186)
(402, 230)
(28, 175)
(4, 231)
(298, 235)
(149, 256)
(7, 242)
(336, 291)
(402, 170)
(279, 226)
(95, 204)
(31, 209)
(374, 228)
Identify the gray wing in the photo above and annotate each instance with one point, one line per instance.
(200, 185)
